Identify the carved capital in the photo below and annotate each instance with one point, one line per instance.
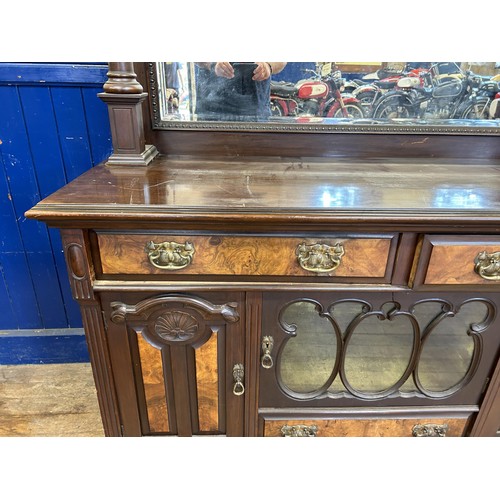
(122, 79)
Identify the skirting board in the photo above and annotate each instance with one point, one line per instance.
(23, 347)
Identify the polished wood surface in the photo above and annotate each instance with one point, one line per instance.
(247, 199)
(226, 255)
(244, 215)
(280, 192)
(452, 260)
(367, 428)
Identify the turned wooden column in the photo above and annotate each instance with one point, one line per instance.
(124, 96)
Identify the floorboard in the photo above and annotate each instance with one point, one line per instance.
(53, 400)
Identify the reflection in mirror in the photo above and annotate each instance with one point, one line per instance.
(442, 94)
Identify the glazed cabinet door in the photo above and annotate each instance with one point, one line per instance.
(177, 362)
(375, 364)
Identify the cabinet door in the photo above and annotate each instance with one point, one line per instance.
(178, 363)
(379, 349)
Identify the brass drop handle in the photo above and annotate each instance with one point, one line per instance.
(266, 360)
(429, 430)
(238, 376)
(487, 265)
(299, 430)
(170, 255)
(319, 257)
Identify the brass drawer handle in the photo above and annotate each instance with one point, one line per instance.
(238, 375)
(267, 346)
(429, 430)
(487, 265)
(299, 431)
(170, 255)
(319, 257)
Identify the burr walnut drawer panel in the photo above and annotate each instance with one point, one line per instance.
(388, 427)
(459, 260)
(368, 257)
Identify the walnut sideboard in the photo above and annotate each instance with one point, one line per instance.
(288, 297)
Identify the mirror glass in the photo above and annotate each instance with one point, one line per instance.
(441, 97)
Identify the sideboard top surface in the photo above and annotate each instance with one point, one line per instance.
(286, 189)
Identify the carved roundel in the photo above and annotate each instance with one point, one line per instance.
(76, 261)
(175, 326)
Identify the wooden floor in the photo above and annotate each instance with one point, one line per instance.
(52, 400)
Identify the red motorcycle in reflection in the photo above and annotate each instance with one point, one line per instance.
(319, 96)
(368, 94)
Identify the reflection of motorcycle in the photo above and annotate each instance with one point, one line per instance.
(386, 79)
(384, 74)
(320, 95)
(494, 110)
(370, 93)
(492, 90)
(452, 97)
(495, 103)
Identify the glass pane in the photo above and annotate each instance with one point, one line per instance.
(378, 352)
(308, 359)
(378, 357)
(447, 352)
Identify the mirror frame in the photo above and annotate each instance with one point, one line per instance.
(359, 127)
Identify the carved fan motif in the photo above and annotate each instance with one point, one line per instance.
(176, 325)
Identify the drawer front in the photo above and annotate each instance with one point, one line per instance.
(367, 257)
(405, 427)
(449, 260)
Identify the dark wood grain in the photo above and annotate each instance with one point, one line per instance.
(247, 200)
(270, 193)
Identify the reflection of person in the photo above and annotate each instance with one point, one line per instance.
(174, 86)
(173, 76)
(235, 90)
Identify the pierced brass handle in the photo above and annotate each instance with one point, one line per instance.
(299, 431)
(170, 255)
(238, 375)
(487, 265)
(319, 257)
(429, 430)
(267, 346)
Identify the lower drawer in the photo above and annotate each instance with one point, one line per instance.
(408, 426)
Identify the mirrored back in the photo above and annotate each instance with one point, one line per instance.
(380, 97)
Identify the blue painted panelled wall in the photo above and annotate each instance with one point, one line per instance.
(53, 127)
